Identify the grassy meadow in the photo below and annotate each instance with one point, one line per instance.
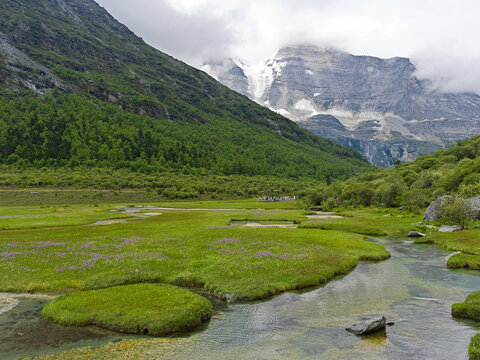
(33, 217)
(123, 267)
(184, 248)
(153, 259)
(368, 221)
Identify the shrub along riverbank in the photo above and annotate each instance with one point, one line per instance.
(83, 185)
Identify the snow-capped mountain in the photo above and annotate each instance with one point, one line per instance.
(374, 105)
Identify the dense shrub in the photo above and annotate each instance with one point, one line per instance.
(329, 204)
(453, 171)
(454, 211)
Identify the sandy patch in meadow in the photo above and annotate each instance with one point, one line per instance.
(324, 216)
(9, 301)
(259, 226)
(108, 222)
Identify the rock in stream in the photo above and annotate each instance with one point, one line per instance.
(368, 327)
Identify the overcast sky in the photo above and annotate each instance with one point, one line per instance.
(442, 37)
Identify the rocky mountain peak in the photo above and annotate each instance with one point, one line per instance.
(387, 112)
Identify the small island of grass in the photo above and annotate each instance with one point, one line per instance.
(156, 310)
(470, 309)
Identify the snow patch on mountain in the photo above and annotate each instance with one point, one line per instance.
(285, 113)
(306, 106)
(261, 76)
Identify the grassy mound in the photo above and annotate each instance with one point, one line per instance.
(138, 309)
(467, 261)
(474, 348)
(469, 309)
(369, 221)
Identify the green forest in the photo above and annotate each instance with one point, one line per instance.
(453, 171)
(59, 130)
(99, 96)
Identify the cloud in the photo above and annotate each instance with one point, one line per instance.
(188, 36)
(440, 36)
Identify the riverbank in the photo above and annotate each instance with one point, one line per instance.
(466, 245)
(147, 309)
(206, 245)
(413, 288)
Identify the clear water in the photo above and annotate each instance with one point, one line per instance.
(413, 288)
(23, 333)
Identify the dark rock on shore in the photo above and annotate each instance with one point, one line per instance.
(415, 234)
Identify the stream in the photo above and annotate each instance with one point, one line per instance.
(414, 289)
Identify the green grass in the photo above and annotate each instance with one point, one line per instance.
(156, 310)
(464, 261)
(467, 241)
(234, 204)
(474, 348)
(187, 248)
(354, 228)
(271, 215)
(368, 221)
(55, 216)
(469, 309)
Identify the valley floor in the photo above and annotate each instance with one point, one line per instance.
(225, 250)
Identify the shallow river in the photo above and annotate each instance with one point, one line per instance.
(413, 288)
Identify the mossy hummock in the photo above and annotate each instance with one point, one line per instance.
(156, 310)
(470, 309)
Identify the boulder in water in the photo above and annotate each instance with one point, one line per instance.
(368, 327)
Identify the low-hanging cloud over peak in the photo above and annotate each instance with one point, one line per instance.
(441, 36)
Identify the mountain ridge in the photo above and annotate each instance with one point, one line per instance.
(380, 102)
(109, 73)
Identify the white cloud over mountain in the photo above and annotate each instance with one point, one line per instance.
(441, 36)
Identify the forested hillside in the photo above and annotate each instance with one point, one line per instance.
(453, 171)
(79, 88)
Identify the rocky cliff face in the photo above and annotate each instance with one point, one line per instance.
(374, 105)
